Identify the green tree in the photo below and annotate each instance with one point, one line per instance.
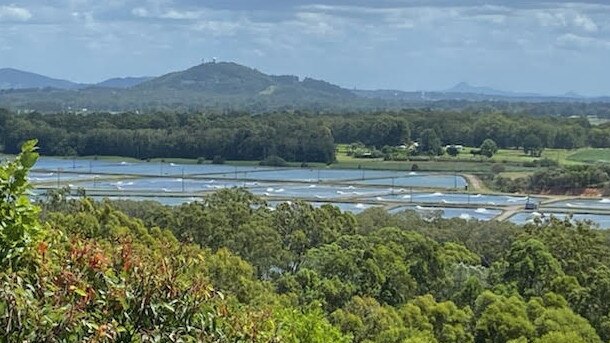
(19, 225)
(430, 143)
(532, 145)
(302, 227)
(566, 322)
(452, 151)
(501, 319)
(560, 337)
(310, 326)
(422, 255)
(489, 148)
(370, 321)
(448, 323)
(233, 219)
(531, 267)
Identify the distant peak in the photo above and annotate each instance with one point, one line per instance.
(219, 63)
(465, 87)
(11, 78)
(15, 71)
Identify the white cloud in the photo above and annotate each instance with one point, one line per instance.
(14, 13)
(585, 23)
(491, 18)
(404, 24)
(318, 23)
(409, 17)
(218, 28)
(577, 42)
(181, 15)
(140, 12)
(171, 13)
(567, 18)
(549, 19)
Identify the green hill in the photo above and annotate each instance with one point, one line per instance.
(234, 80)
(223, 78)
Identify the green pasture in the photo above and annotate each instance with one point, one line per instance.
(590, 155)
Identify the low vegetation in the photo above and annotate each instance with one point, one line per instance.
(558, 180)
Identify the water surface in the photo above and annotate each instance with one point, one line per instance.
(423, 180)
(582, 204)
(404, 195)
(528, 217)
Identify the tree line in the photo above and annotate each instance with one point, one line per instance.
(168, 135)
(294, 136)
(469, 129)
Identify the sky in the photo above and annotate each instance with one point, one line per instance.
(548, 47)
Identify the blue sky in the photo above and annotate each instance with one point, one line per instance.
(549, 47)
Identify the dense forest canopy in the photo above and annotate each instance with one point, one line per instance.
(230, 269)
(299, 137)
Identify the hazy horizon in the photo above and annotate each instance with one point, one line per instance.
(522, 46)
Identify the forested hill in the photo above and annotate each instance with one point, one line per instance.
(232, 79)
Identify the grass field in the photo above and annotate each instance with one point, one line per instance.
(464, 162)
(518, 156)
(590, 156)
(512, 159)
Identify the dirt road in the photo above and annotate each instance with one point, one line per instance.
(475, 184)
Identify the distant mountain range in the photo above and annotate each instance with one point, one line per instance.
(17, 79)
(227, 85)
(222, 85)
